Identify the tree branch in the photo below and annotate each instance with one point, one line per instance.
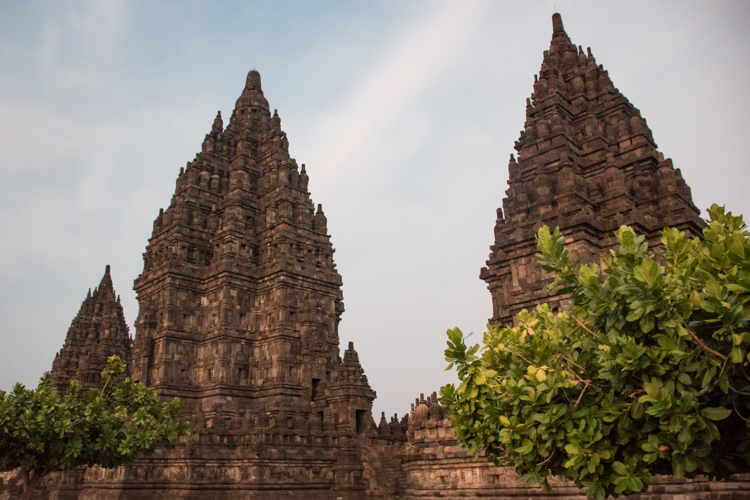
(704, 346)
(517, 354)
(581, 379)
(738, 392)
(738, 413)
(571, 361)
(581, 395)
(549, 457)
(585, 327)
(105, 385)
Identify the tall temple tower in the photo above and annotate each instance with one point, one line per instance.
(240, 302)
(587, 162)
(239, 297)
(97, 332)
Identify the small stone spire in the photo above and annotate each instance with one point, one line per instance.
(252, 97)
(276, 120)
(218, 126)
(513, 170)
(106, 283)
(304, 179)
(320, 222)
(97, 332)
(560, 40)
(350, 355)
(557, 24)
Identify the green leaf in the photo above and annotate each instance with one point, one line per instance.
(737, 354)
(718, 413)
(685, 378)
(526, 447)
(708, 376)
(620, 468)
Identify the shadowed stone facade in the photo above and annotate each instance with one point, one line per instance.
(240, 303)
(97, 332)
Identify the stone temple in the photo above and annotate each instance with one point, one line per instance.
(240, 301)
(239, 297)
(97, 332)
(587, 163)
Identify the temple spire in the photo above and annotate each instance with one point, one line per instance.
(97, 332)
(252, 98)
(106, 283)
(240, 237)
(253, 81)
(218, 126)
(560, 40)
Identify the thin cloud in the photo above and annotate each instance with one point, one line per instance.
(98, 23)
(381, 94)
(72, 44)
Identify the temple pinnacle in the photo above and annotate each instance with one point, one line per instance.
(253, 80)
(557, 24)
(106, 281)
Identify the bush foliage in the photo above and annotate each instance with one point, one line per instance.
(41, 432)
(646, 372)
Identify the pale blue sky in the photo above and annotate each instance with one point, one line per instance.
(405, 113)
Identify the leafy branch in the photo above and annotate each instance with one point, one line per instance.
(667, 401)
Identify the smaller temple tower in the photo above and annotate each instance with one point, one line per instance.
(586, 163)
(97, 332)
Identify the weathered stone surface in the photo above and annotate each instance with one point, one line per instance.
(97, 332)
